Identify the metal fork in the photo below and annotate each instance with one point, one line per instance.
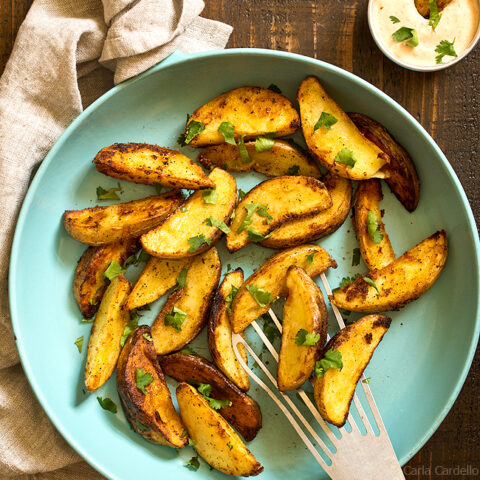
(353, 456)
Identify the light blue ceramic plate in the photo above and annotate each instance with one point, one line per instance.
(417, 371)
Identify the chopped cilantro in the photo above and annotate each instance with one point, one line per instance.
(183, 209)
(210, 195)
(274, 88)
(346, 156)
(193, 129)
(197, 241)
(134, 260)
(244, 155)
(213, 222)
(356, 257)
(181, 279)
(394, 19)
(228, 132)
(229, 298)
(262, 211)
(114, 270)
(374, 228)
(256, 237)
(310, 257)
(262, 297)
(175, 318)
(331, 359)
(366, 380)
(229, 446)
(110, 194)
(129, 328)
(371, 283)
(347, 281)
(190, 442)
(326, 120)
(193, 464)
(406, 33)
(107, 404)
(206, 389)
(250, 208)
(87, 320)
(241, 193)
(79, 343)
(293, 170)
(143, 379)
(146, 336)
(265, 142)
(445, 48)
(305, 339)
(435, 16)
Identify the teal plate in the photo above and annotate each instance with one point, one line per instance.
(417, 371)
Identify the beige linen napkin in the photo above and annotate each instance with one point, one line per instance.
(67, 53)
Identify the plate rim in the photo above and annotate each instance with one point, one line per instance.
(176, 58)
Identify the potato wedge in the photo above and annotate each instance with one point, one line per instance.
(281, 159)
(252, 111)
(326, 144)
(151, 414)
(213, 438)
(193, 300)
(220, 332)
(286, 198)
(171, 238)
(103, 225)
(270, 277)
(89, 282)
(244, 414)
(303, 230)
(401, 282)
(334, 391)
(367, 198)
(304, 310)
(424, 10)
(158, 276)
(150, 164)
(107, 330)
(401, 175)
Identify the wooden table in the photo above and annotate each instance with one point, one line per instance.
(447, 104)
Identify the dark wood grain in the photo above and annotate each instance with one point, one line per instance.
(446, 103)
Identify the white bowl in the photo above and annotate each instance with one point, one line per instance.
(409, 66)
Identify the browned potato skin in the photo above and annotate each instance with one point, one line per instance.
(401, 175)
(272, 163)
(356, 343)
(150, 164)
(287, 198)
(155, 410)
(424, 10)
(244, 414)
(213, 438)
(404, 280)
(220, 334)
(103, 225)
(253, 111)
(304, 230)
(271, 277)
(89, 282)
(296, 362)
(367, 198)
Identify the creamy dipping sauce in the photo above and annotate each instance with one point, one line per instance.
(459, 22)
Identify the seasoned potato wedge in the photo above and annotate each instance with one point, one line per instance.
(193, 300)
(401, 282)
(367, 198)
(252, 111)
(401, 175)
(158, 276)
(334, 391)
(270, 277)
(171, 238)
(285, 198)
(220, 332)
(304, 310)
(89, 282)
(213, 438)
(150, 164)
(326, 144)
(107, 330)
(303, 230)
(150, 414)
(103, 225)
(424, 10)
(244, 414)
(281, 159)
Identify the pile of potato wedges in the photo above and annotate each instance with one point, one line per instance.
(308, 194)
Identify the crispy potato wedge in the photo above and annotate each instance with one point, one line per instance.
(401, 175)
(303, 230)
(325, 144)
(279, 160)
(304, 309)
(194, 300)
(171, 238)
(252, 111)
(152, 415)
(424, 10)
(367, 199)
(244, 414)
(213, 438)
(89, 282)
(286, 198)
(103, 225)
(107, 330)
(150, 164)
(271, 278)
(334, 391)
(158, 276)
(401, 282)
(220, 332)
